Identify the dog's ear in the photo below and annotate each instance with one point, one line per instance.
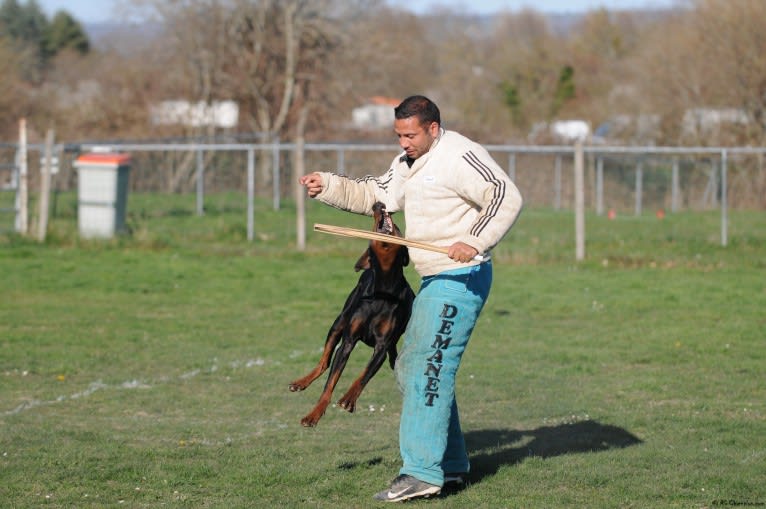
(405, 254)
(363, 263)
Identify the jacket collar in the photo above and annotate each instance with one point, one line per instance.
(422, 160)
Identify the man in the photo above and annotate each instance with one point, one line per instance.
(453, 194)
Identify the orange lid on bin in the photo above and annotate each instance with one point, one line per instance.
(104, 159)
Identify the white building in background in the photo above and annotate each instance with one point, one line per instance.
(570, 131)
(700, 122)
(560, 131)
(378, 113)
(224, 114)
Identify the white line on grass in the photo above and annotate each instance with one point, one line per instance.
(127, 385)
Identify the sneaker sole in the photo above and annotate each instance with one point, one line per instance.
(426, 493)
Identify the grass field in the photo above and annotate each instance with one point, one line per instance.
(152, 370)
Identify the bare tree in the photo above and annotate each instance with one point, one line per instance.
(13, 95)
(279, 59)
(733, 39)
(709, 58)
(527, 58)
(600, 50)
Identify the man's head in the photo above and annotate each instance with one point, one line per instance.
(416, 123)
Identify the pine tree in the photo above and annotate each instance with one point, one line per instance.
(65, 32)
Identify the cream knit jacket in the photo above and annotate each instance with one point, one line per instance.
(454, 192)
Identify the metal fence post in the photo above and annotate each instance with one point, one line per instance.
(45, 186)
(250, 194)
(711, 190)
(579, 174)
(300, 196)
(600, 186)
(557, 184)
(639, 186)
(200, 183)
(512, 166)
(724, 201)
(676, 189)
(341, 161)
(275, 172)
(22, 189)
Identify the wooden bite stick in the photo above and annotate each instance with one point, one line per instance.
(391, 239)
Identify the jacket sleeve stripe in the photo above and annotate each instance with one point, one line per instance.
(490, 211)
(382, 182)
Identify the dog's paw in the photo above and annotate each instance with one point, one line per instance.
(295, 387)
(347, 404)
(309, 421)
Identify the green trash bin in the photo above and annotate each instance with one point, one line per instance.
(102, 194)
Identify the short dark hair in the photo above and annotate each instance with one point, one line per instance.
(418, 106)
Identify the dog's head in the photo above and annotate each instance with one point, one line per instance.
(383, 222)
(386, 253)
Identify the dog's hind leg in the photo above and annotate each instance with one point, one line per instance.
(338, 363)
(333, 337)
(392, 355)
(348, 401)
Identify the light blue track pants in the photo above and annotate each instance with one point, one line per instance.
(443, 316)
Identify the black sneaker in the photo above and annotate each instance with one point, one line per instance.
(455, 481)
(405, 487)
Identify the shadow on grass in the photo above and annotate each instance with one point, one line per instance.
(490, 449)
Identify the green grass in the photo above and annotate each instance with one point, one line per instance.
(152, 370)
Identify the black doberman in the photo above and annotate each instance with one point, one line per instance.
(376, 312)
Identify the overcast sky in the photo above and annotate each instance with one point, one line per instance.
(89, 11)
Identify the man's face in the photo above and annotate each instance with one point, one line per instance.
(414, 138)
